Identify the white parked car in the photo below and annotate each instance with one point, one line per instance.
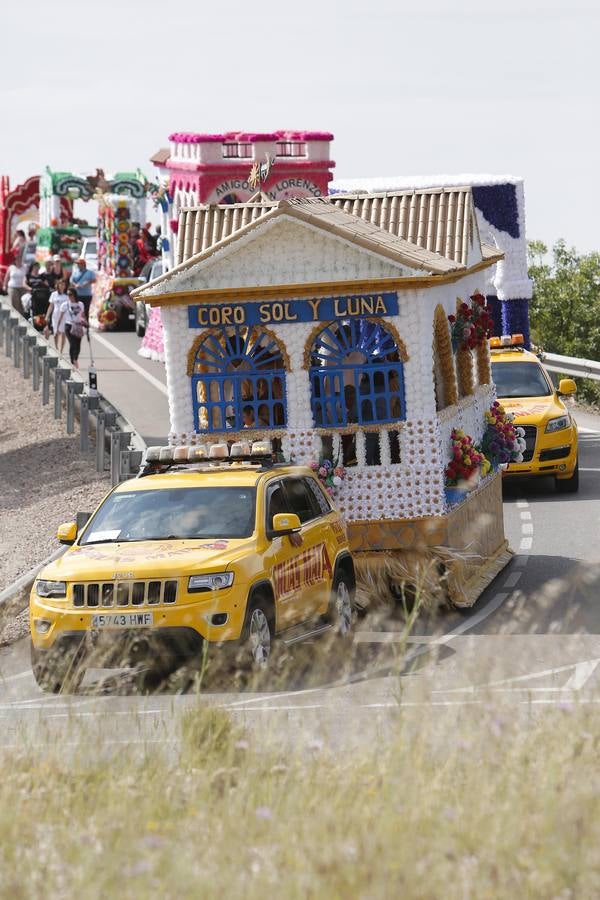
(151, 270)
(89, 252)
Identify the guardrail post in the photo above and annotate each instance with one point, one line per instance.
(4, 317)
(84, 422)
(104, 420)
(87, 404)
(73, 387)
(119, 440)
(29, 342)
(50, 362)
(10, 323)
(60, 375)
(37, 353)
(19, 333)
(132, 460)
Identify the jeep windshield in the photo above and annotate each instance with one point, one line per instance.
(520, 379)
(173, 513)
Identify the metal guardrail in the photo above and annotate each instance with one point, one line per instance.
(570, 365)
(118, 444)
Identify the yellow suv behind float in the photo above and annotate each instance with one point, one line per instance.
(202, 549)
(525, 389)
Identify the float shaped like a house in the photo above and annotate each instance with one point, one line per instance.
(327, 331)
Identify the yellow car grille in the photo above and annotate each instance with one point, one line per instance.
(124, 593)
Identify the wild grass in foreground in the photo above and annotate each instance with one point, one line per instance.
(477, 806)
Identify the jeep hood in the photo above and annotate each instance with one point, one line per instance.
(145, 559)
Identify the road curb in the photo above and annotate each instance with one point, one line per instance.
(25, 581)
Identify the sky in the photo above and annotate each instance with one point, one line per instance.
(420, 88)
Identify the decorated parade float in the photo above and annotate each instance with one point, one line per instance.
(19, 207)
(216, 169)
(351, 332)
(499, 202)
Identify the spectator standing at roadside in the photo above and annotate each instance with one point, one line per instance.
(72, 316)
(18, 247)
(55, 314)
(82, 280)
(14, 284)
(40, 295)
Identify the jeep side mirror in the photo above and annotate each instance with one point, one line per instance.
(67, 533)
(285, 523)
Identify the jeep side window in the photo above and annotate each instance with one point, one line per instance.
(300, 499)
(323, 504)
(276, 503)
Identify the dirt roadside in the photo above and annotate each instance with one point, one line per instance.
(44, 480)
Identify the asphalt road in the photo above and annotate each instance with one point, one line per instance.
(532, 640)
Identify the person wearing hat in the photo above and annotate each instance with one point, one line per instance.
(54, 272)
(82, 280)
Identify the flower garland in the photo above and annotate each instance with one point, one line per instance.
(502, 442)
(467, 463)
(330, 476)
(472, 325)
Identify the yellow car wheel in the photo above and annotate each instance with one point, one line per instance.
(57, 672)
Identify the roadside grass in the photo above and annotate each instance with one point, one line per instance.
(469, 804)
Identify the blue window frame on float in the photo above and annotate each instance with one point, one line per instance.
(238, 381)
(356, 375)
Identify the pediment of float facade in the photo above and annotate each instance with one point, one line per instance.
(280, 251)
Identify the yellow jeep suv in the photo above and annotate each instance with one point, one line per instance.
(234, 551)
(524, 388)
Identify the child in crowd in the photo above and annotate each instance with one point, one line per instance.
(57, 300)
(73, 315)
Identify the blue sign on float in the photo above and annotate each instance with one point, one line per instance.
(286, 312)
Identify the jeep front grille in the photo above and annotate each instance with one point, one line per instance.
(124, 593)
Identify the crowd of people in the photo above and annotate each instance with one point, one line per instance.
(55, 301)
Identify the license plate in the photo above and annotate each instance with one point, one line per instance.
(123, 620)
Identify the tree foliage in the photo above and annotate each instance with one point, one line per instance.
(565, 309)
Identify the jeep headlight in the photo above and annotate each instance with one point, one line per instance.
(558, 424)
(51, 588)
(216, 581)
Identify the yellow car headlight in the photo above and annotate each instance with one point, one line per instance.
(558, 424)
(215, 581)
(50, 588)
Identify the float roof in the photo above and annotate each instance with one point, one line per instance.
(205, 229)
(440, 221)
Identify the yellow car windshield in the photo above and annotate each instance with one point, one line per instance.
(172, 513)
(520, 379)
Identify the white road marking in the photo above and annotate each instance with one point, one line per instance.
(393, 637)
(587, 430)
(588, 470)
(522, 504)
(132, 365)
(526, 543)
(512, 579)
(5, 678)
(527, 528)
(582, 671)
(526, 516)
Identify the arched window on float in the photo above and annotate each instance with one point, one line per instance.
(238, 380)
(357, 380)
(444, 372)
